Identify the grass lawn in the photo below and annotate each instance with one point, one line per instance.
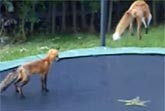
(40, 44)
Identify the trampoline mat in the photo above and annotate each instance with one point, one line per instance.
(93, 83)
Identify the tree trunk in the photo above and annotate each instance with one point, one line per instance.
(74, 16)
(31, 27)
(49, 19)
(53, 18)
(32, 23)
(83, 17)
(91, 28)
(110, 16)
(164, 9)
(64, 16)
(118, 11)
(1, 29)
(23, 30)
(154, 12)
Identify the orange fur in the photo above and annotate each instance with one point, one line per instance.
(140, 11)
(37, 67)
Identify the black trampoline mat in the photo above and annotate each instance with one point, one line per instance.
(94, 84)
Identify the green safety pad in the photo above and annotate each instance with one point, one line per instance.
(84, 52)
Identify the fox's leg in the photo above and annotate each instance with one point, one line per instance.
(23, 83)
(44, 82)
(149, 19)
(145, 25)
(19, 78)
(131, 28)
(15, 84)
(138, 20)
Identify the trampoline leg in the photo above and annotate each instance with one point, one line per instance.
(44, 83)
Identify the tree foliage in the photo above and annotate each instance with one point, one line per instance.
(61, 16)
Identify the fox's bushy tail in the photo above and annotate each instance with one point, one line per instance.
(122, 25)
(8, 80)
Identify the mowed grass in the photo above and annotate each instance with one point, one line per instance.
(41, 44)
(155, 38)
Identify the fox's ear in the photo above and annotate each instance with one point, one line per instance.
(128, 13)
(58, 48)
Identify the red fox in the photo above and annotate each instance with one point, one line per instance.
(140, 11)
(21, 75)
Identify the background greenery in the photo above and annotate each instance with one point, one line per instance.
(32, 27)
(41, 44)
(21, 19)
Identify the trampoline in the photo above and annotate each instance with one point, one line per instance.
(94, 82)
